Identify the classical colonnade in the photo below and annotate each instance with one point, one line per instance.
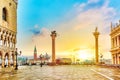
(7, 46)
(115, 40)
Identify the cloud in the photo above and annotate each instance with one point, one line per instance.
(87, 15)
(80, 27)
(83, 6)
(92, 1)
(35, 30)
(43, 32)
(94, 16)
(100, 17)
(77, 31)
(42, 40)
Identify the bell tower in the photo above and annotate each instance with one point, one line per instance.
(35, 53)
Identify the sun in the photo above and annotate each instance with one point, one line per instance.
(85, 54)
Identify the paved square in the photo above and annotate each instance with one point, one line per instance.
(66, 72)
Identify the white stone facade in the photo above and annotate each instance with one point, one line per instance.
(115, 43)
(8, 30)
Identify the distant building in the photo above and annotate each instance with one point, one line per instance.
(41, 58)
(115, 43)
(63, 61)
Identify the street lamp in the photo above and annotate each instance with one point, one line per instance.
(101, 57)
(16, 53)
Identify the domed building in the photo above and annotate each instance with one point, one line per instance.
(38, 59)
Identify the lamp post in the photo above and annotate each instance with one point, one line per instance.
(101, 57)
(16, 53)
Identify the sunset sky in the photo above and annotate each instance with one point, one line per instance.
(74, 21)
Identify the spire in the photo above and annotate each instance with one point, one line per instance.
(35, 50)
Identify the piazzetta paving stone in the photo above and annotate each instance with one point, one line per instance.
(66, 72)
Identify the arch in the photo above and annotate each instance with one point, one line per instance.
(13, 56)
(4, 14)
(6, 54)
(1, 54)
(6, 59)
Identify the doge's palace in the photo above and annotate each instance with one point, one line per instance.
(8, 30)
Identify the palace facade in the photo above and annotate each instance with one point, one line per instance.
(115, 43)
(8, 30)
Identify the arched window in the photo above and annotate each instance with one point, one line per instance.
(4, 14)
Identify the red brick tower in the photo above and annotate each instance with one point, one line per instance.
(35, 53)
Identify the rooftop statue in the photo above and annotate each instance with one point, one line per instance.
(96, 29)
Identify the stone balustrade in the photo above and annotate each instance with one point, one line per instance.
(7, 38)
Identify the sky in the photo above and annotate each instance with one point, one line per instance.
(74, 21)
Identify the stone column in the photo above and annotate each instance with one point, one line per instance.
(116, 58)
(0, 37)
(3, 60)
(117, 41)
(14, 60)
(113, 42)
(53, 36)
(12, 41)
(9, 42)
(9, 37)
(113, 59)
(119, 59)
(9, 59)
(96, 34)
(3, 38)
